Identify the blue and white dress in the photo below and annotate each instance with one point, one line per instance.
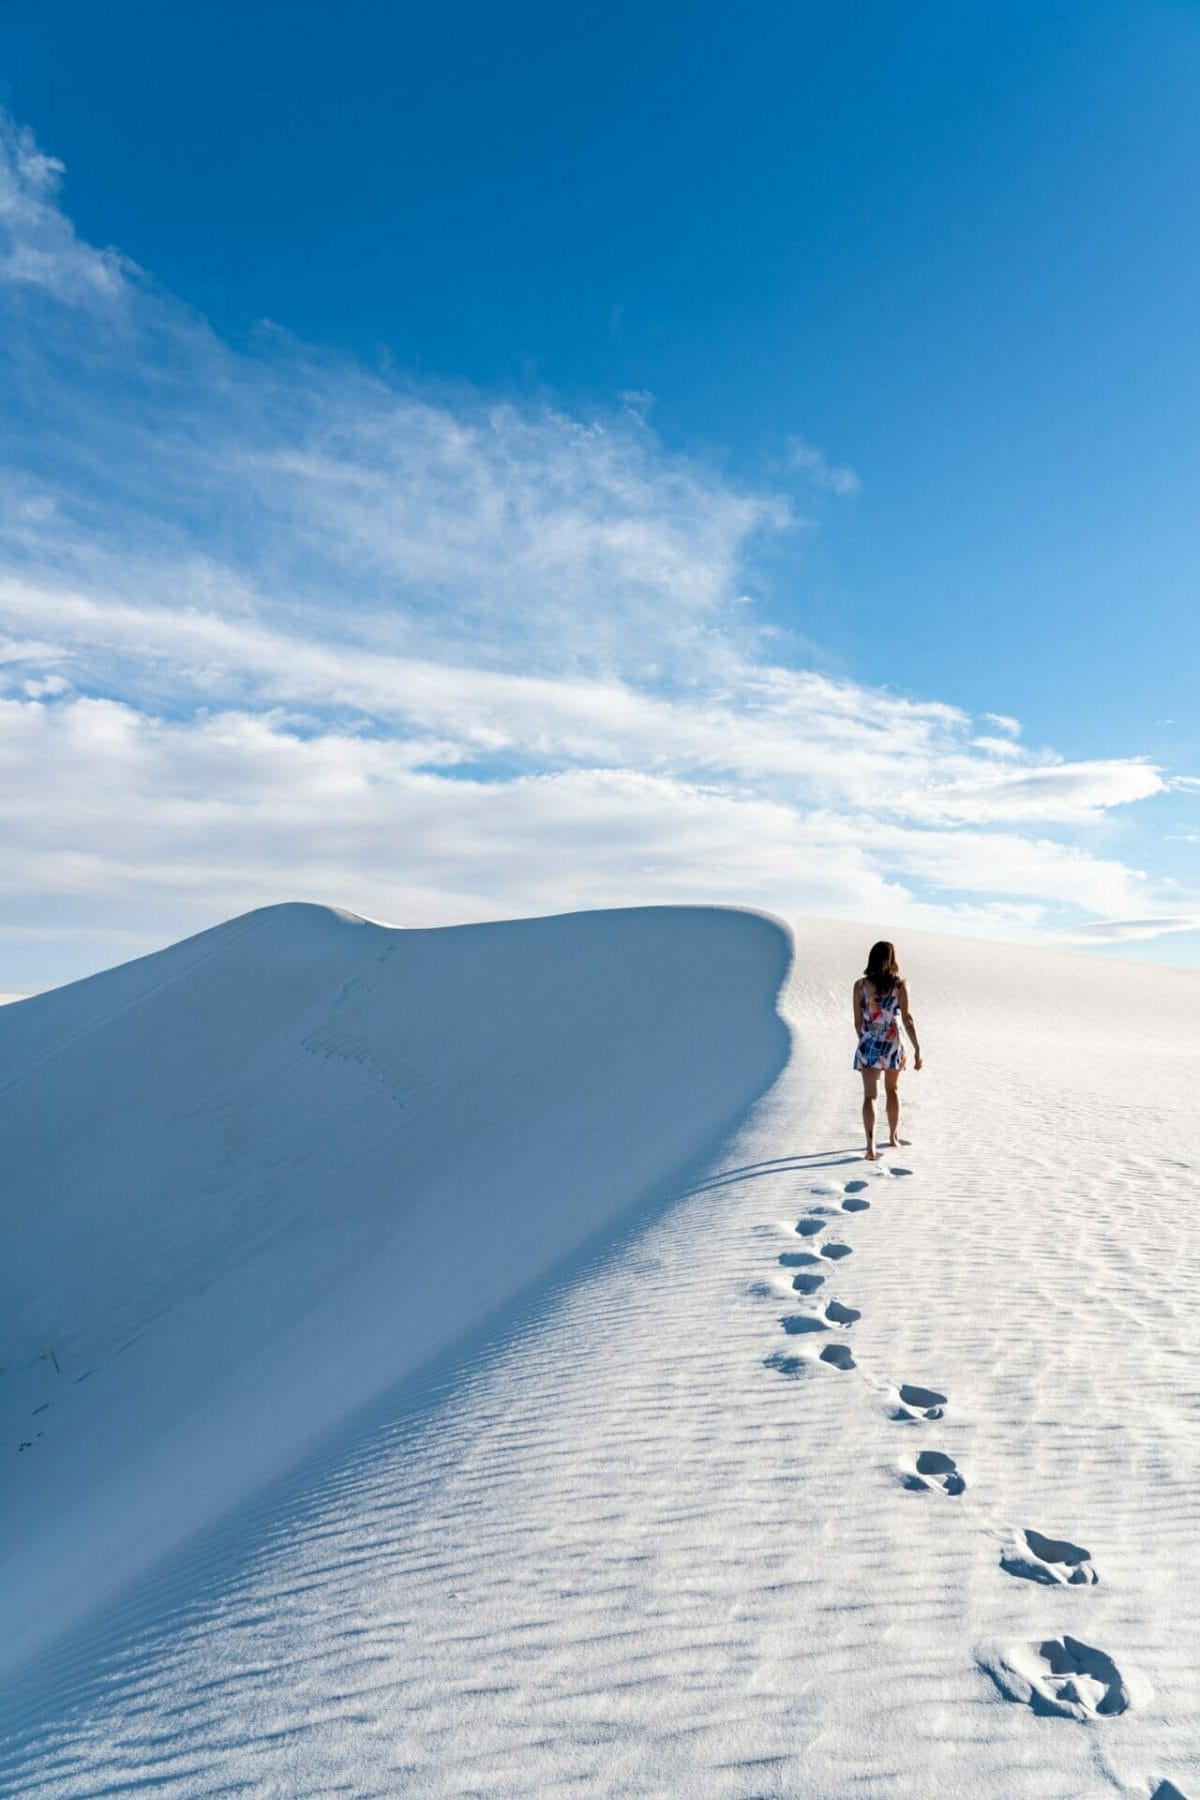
(880, 1046)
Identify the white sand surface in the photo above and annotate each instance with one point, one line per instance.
(491, 1449)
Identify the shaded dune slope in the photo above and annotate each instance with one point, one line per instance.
(255, 1179)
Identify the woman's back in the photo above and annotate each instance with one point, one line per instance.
(879, 1046)
(876, 1002)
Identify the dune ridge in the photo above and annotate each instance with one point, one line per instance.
(258, 1177)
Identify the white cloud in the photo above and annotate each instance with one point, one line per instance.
(795, 734)
(214, 807)
(997, 746)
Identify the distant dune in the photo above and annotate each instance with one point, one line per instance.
(479, 1361)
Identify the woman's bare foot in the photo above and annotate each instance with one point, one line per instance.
(870, 1155)
(899, 1143)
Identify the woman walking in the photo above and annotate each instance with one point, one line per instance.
(880, 1002)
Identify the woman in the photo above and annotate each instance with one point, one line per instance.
(880, 1002)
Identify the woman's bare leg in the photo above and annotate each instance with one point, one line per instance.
(891, 1084)
(870, 1089)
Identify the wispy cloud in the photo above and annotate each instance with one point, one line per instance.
(38, 245)
(820, 473)
(272, 625)
(1129, 931)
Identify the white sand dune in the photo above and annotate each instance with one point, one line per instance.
(477, 1362)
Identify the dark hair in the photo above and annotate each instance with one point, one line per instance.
(882, 970)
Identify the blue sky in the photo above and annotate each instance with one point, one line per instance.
(457, 463)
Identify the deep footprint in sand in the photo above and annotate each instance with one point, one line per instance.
(800, 1324)
(1063, 1677)
(835, 1252)
(900, 1171)
(1053, 1561)
(934, 1471)
(854, 1187)
(809, 1227)
(838, 1355)
(785, 1365)
(837, 1314)
(807, 1284)
(917, 1403)
(853, 1205)
(798, 1259)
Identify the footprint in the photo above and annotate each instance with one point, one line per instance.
(839, 1355)
(798, 1259)
(1166, 1790)
(837, 1314)
(760, 1290)
(918, 1403)
(1051, 1560)
(854, 1187)
(786, 1365)
(807, 1284)
(1063, 1677)
(810, 1227)
(934, 1469)
(835, 1252)
(901, 1171)
(856, 1206)
(797, 1324)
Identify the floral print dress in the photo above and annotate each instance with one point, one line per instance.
(880, 1045)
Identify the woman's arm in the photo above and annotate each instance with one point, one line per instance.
(909, 1023)
(858, 1007)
